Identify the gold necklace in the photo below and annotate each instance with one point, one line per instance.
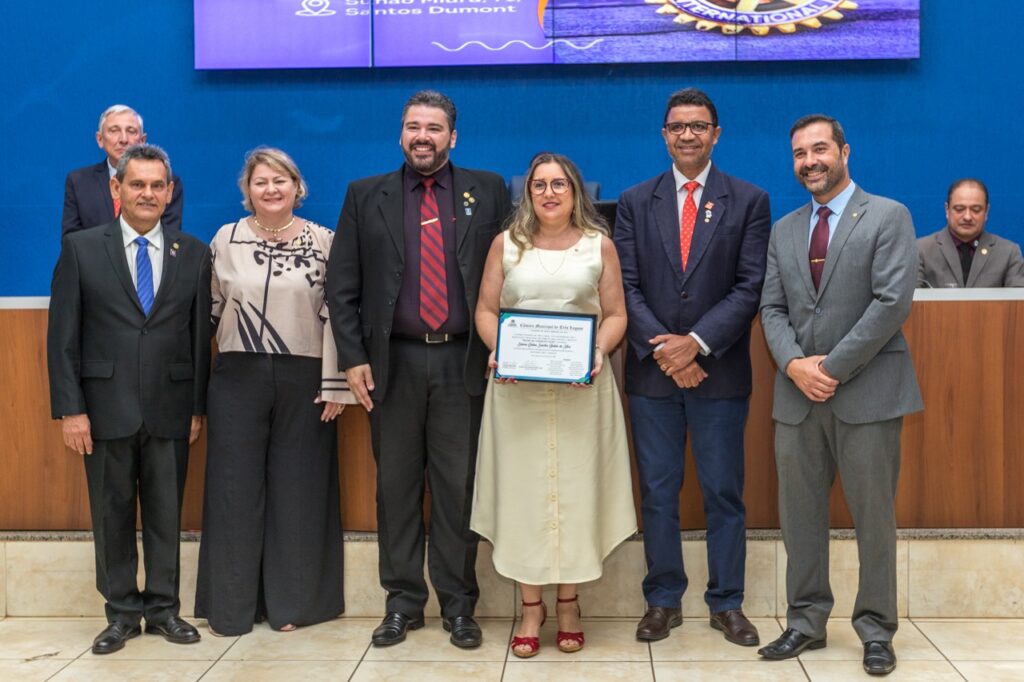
(540, 259)
(274, 231)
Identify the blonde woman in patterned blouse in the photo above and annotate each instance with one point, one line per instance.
(271, 545)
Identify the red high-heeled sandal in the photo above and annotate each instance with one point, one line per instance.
(531, 645)
(570, 642)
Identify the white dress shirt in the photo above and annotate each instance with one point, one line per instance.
(156, 249)
(681, 181)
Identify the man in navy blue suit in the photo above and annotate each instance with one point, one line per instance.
(87, 200)
(693, 243)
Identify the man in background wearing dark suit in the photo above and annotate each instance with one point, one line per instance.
(402, 282)
(128, 351)
(87, 199)
(692, 243)
(963, 254)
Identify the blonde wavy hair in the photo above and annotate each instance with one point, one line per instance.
(523, 224)
(279, 161)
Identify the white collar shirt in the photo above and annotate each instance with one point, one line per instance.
(681, 181)
(155, 248)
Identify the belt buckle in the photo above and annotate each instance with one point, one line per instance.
(435, 338)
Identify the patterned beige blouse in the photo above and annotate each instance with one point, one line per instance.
(268, 297)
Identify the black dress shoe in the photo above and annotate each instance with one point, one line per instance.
(466, 633)
(174, 630)
(791, 643)
(113, 638)
(393, 628)
(736, 627)
(657, 623)
(879, 658)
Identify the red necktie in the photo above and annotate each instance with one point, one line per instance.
(117, 207)
(688, 222)
(433, 281)
(819, 245)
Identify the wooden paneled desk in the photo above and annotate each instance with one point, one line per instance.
(963, 457)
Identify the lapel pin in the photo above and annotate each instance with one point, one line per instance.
(469, 210)
(710, 205)
(854, 215)
(174, 250)
(707, 216)
(465, 194)
(984, 252)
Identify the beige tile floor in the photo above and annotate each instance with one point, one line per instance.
(932, 650)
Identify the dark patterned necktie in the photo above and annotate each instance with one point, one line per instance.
(819, 245)
(433, 280)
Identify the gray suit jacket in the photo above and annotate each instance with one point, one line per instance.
(997, 262)
(867, 288)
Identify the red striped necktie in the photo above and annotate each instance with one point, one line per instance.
(433, 280)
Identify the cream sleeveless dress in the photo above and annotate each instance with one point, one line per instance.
(553, 488)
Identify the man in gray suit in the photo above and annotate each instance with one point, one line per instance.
(963, 254)
(839, 285)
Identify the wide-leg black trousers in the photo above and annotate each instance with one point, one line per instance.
(271, 519)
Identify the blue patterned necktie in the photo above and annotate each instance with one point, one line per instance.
(143, 274)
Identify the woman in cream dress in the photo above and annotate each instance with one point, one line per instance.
(553, 488)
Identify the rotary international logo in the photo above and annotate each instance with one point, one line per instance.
(757, 16)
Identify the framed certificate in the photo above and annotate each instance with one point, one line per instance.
(535, 345)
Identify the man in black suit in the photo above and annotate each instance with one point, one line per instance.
(87, 199)
(128, 349)
(402, 283)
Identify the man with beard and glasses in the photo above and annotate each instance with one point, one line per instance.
(402, 281)
(839, 285)
(963, 253)
(692, 242)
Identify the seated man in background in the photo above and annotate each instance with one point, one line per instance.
(87, 200)
(963, 254)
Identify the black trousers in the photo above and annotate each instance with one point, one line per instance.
(271, 519)
(123, 474)
(426, 429)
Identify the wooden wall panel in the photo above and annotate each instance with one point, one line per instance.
(954, 453)
(42, 485)
(963, 459)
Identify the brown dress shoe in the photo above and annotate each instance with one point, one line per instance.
(736, 627)
(657, 623)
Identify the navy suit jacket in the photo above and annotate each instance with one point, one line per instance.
(716, 297)
(88, 203)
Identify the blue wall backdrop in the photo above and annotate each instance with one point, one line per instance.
(913, 125)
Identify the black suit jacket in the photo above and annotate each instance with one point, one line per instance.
(366, 265)
(87, 200)
(111, 361)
